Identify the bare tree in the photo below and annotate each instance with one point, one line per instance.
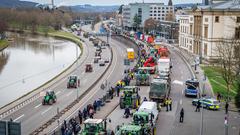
(150, 24)
(226, 55)
(237, 71)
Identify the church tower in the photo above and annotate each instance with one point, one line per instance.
(170, 3)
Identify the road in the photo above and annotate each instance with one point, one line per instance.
(34, 114)
(168, 122)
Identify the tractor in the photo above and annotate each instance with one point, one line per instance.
(49, 98)
(88, 68)
(94, 127)
(73, 81)
(130, 97)
(143, 76)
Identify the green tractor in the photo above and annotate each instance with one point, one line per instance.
(143, 76)
(49, 98)
(130, 130)
(145, 120)
(94, 127)
(73, 82)
(129, 97)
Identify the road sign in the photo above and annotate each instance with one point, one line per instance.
(3, 128)
(10, 128)
(126, 62)
(14, 128)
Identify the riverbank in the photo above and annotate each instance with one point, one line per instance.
(3, 44)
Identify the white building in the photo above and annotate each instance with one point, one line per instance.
(144, 11)
(204, 27)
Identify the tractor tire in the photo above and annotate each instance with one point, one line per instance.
(50, 102)
(43, 102)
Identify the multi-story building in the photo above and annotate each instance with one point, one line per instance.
(144, 11)
(204, 27)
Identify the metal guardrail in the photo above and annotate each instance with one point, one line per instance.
(57, 116)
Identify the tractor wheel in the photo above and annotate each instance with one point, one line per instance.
(43, 102)
(50, 102)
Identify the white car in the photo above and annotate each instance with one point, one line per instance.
(101, 63)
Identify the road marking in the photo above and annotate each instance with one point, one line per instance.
(181, 102)
(58, 92)
(37, 106)
(19, 117)
(69, 93)
(178, 82)
(46, 110)
(182, 91)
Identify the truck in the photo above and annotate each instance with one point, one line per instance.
(143, 76)
(159, 90)
(150, 108)
(129, 129)
(163, 52)
(130, 54)
(191, 87)
(164, 66)
(129, 97)
(95, 127)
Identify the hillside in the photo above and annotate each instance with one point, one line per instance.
(90, 8)
(16, 4)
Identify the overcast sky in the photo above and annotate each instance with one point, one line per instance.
(108, 2)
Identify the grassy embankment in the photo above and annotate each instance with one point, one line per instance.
(217, 82)
(3, 44)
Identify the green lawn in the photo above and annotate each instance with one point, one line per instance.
(3, 44)
(216, 80)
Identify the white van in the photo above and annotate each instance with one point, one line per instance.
(149, 107)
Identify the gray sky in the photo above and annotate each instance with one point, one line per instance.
(108, 2)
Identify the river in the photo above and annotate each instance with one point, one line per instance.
(30, 61)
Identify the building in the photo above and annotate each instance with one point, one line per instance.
(205, 26)
(144, 11)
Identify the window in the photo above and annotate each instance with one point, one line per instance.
(155, 11)
(159, 18)
(205, 49)
(191, 19)
(163, 18)
(237, 33)
(150, 11)
(216, 19)
(205, 31)
(191, 29)
(155, 7)
(238, 19)
(150, 14)
(159, 11)
(163, 11)
(155, 15)
(159, 7)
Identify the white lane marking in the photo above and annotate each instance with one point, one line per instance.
(181, 102)
(182, 91)
(58, 92)
(69, 93)
(178, 82)
(37, 106)
(46, 110)
(19, 117)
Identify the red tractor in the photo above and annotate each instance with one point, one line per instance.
(150, 62)
(163, 52)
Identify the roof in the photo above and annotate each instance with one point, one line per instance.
(146, 105)
(226, 5)
(94, 121)
(140, 113)
(129, 87)
(147, 68)
(131, 128)
(159, 81)
(130, 50)
(164, 60)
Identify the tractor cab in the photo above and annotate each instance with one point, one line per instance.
(143, 76)
(141, 118)
(130, 130)
(49, 98)
(88, 68)
(94, 127)
(129, 97)
(73, 81)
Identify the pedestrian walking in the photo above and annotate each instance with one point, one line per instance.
(118, 90)
(80, 116)
(65, 124)
(170, 104)
(95, 106)
(198, 106)
(166, 104)
(181, 115)
(226, 108)
(85, 113)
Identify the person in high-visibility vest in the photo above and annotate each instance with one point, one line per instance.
(170, 104)
(166, 103)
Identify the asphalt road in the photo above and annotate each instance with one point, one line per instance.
(168, 122)
(34, 114)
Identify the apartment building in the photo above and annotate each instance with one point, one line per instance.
(144, 11)
(205, 26)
